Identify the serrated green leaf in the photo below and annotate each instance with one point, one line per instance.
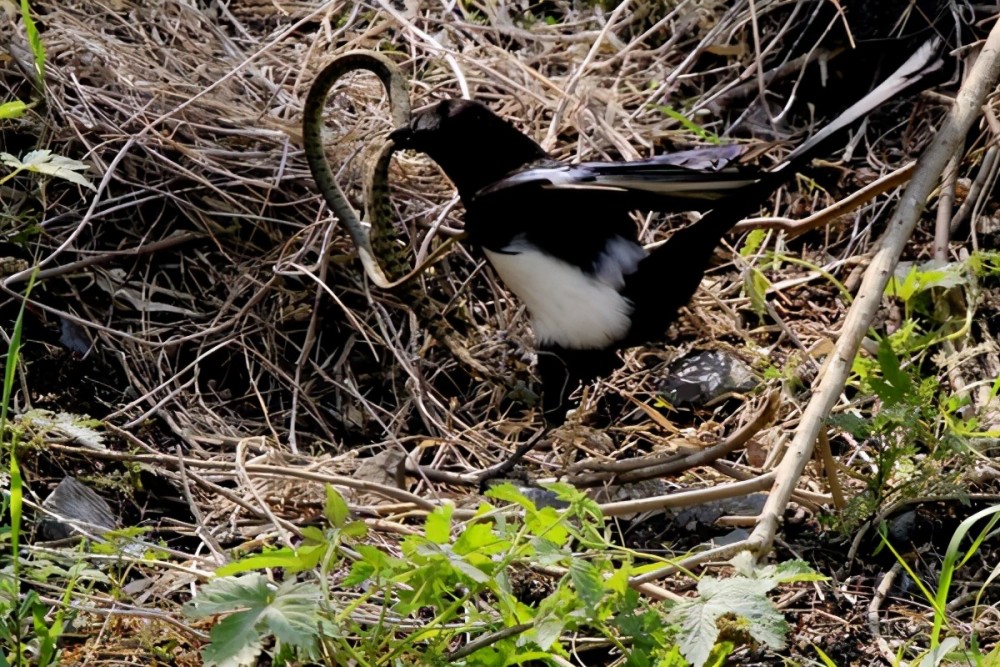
(547, 631)
(734, 588)
(548, 523)
(235, 642)
(744, 597)
(256, 609)
(43, 161)
(618, 581)
(794, 571)
(588, 583)
(437, 528)
(225, 594)
(566, 492)
(509, 493)
(480, 538)
(335, 508)
(361, 571)
(896, 385)
(355, 529)
(698, 631)
(292, 617)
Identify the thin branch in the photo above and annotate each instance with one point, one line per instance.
(946, 143)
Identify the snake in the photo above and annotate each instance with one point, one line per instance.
(382, 255)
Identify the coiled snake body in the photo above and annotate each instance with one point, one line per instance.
(383, 248)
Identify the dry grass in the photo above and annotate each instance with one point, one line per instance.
(224, 299)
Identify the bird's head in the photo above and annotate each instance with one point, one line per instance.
(433, 128)
(473, 145)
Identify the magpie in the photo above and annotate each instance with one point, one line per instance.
(561, 236)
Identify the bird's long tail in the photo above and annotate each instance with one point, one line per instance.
(669, 276)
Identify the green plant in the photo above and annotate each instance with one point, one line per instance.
(30, 628)
(951, 647)
(908, 421)
(688, 124)
(17, 607)
(34, 42)
(45, 162)
(13, 109)
(451, 595)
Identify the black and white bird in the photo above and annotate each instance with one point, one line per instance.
(561, 237)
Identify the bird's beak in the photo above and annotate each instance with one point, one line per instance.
(402, 136)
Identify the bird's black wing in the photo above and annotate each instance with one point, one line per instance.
(696, 179)
(681, 181)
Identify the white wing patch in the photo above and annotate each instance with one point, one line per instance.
(569, 307)
(620, 258)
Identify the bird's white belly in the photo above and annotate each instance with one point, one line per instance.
(568, 307)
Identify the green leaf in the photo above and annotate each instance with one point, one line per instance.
(618, 582)
(547, 631)
(588, 583)
(993, 659)
(355, 529)
(361, 571)
(228, 593)
(548, 523)
(756, 284)
(794, 571)
(235, 642)
(824, 657)
(46, 635)
(34, 41)
(457, 562)
(753, 242)
(293, 615)
(480, 538)
(698, 630)
(851, 423)
(12, 109)
(382, 566)
(293, 560)
(688, 124)
(438, 525)
(895, 385)
(488, 656)
(43, 161)
(290, 612)
(335, 508)
(509, 493)
(547, 553)
(910, 279)
(786, 572)
(745, 598)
